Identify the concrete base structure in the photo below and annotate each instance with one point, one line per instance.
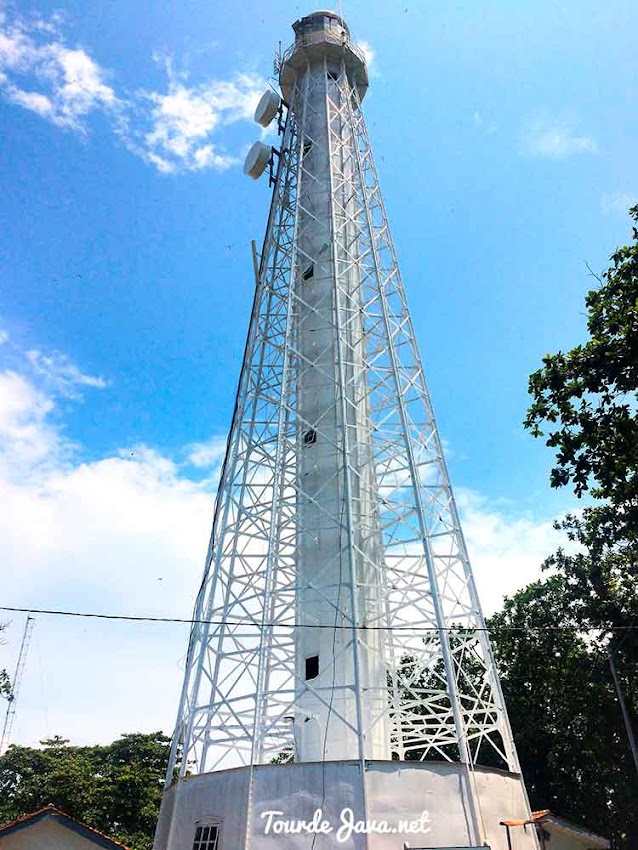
(423, 805)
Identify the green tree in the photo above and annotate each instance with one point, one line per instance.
(587, 397)
(5, 681)
(585, 403)
(116, 788)
(565, 718)
(5, 684)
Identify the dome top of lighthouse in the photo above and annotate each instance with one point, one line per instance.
(322, 35)
(315, 17)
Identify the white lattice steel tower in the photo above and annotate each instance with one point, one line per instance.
(337, 630)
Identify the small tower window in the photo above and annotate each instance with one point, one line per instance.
(307, 146)
(312, 667)
(207, 836)
(308, 272)
(332, 75)
(309, 437)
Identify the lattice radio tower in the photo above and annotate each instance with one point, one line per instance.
(337, 625)
(12, 699)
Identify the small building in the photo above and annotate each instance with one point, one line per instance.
(55, 830)
(555, 833)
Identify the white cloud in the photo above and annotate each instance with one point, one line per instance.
(61, 374)
(174, 131)
(553, 139)
(26, 438)
(369, 55)
(506, 551)
(38, 72)
(127, 533)
(618, 202)
(29, 386)
(33, 101)
(207, 455)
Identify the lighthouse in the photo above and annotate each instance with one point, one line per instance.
(340, 688)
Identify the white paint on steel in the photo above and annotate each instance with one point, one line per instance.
(346, 621)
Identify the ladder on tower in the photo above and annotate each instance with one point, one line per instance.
(15, 686)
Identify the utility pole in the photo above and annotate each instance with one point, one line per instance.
(623, 706)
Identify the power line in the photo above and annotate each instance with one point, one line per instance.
(249, 624)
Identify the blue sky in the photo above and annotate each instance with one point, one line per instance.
(504, 134)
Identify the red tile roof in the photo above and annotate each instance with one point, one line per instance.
(51, 811)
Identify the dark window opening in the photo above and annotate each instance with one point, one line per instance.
(307, 147)
(332, 75)
(312, 667)
(310, 437)
(206, 837)
(309, 272)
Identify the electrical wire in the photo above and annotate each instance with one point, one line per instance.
(349, 626)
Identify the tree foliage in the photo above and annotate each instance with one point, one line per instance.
(5, 684)
(5, 681)
(116, 788)
(565, 717)
(586, 400)
(587, 397)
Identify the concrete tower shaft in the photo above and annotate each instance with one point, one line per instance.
(338, 535)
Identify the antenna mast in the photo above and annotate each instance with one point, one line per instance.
(15, 687)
